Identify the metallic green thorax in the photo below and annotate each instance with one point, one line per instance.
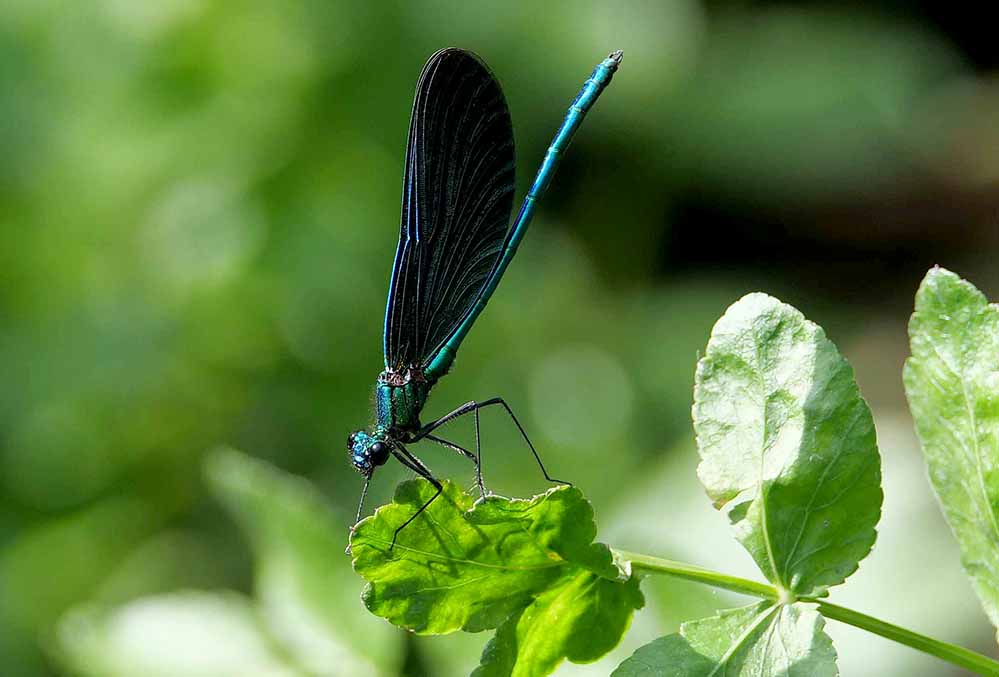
(399, 398)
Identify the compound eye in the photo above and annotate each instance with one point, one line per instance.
(379, 453)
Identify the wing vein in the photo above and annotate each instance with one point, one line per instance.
(457, 200)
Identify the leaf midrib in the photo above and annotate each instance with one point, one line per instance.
(741, 640)
(760, 493)
(460, 560)
(976, 451)
(818, 487)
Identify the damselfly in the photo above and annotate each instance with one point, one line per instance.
(454, 246)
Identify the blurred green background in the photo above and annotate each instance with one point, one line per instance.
(199, 204)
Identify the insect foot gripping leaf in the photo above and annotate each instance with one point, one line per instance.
(952, 382)
(787, 446)
(755, 641)
(527, 567)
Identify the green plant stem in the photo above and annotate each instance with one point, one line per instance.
(951, 653)
(956, 655)
(696, 573)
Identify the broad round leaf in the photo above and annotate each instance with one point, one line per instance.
(787, 445)
(528, 567)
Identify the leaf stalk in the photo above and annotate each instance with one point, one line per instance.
(951, 653)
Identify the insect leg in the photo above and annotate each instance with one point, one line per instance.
(450, 445)
(360, 507)
(360, 504)
(473, 406)
(414, 464)
(476, 458)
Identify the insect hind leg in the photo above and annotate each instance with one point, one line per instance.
(474, 458)
(474, 407)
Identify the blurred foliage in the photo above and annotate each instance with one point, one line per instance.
(198, 209)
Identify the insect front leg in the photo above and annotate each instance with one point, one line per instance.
(416, 465)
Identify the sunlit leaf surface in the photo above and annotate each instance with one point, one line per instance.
(762, 640)
(952, 382)
(529, 568)
(787, 445)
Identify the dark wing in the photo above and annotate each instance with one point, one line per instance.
(456, 204)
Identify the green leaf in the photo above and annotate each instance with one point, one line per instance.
(197, 634)
(528, 567)
(952, 382)
(761, 640)
(581, 618)
(305, 588)
(787, 445)
(562, 522)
